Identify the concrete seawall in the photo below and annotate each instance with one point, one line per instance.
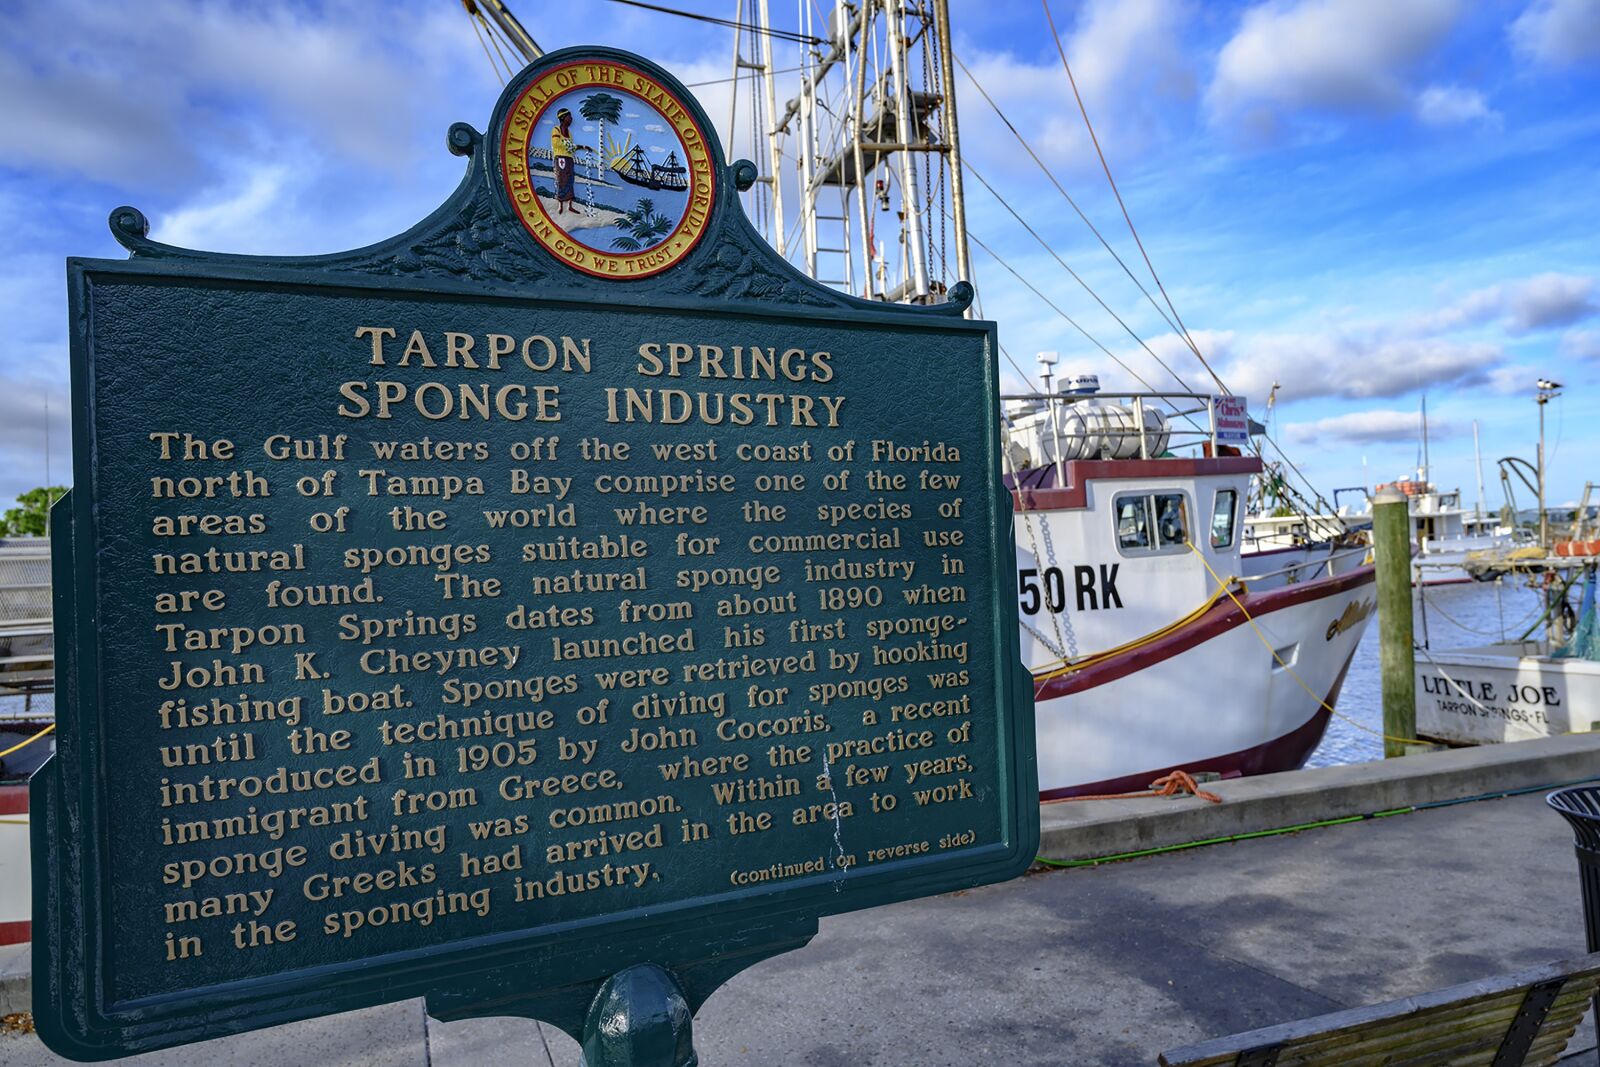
(1094, 829)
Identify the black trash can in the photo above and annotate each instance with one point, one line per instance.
(1580, 806)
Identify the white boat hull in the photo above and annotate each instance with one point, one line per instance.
(1504, 693)
(1207, 697)
(16, 878)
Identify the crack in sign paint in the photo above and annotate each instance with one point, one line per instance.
(838, 824)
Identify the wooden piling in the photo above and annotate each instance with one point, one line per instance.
(1391, 541)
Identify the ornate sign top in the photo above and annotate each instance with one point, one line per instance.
(562, 603)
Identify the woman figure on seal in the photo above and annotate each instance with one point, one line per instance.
(561, 149)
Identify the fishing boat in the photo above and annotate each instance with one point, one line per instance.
(1545, 682)
(1542, 684)
(26, 716)
(1153, 647)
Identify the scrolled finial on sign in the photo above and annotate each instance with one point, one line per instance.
(130, 227)
(744, 174)
(463, 139)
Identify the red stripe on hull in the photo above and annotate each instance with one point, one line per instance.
(16, 933)
(1225, 615)
(14, 799)
(1286, 753)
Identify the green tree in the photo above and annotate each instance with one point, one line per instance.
(648, 227)
(601, 108)
(32, 516)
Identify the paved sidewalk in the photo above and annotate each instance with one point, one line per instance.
(1096, 966)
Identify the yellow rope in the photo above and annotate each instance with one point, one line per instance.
(28, 742)
(1298, 680)
(1052, 671)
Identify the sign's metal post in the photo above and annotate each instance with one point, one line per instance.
(550, 611)
(640, 1019)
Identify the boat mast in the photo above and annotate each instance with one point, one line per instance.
(774, 147)
(1424, 472)
(868, 96)
(1477, 457)
(910, 196)
(950, 128)
(1548, 391)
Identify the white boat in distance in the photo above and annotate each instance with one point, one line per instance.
(1154, 643)
(1444, 532)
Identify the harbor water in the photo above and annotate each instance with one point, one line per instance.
(1445, 616)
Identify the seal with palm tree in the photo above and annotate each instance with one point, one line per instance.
(601, 108)
(647, 227)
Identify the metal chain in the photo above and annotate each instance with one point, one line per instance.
(944, 160)
(1033, 543)
(1063, 617)
(928, 82)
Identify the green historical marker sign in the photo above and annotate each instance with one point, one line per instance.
(549, 611)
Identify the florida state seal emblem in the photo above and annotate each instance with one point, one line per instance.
(607, 169)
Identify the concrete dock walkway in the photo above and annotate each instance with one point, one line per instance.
(1104, 965)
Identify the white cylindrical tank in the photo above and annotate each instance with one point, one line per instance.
(1111, 431)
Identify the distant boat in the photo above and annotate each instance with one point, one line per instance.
(636, 169)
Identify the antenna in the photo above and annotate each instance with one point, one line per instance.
(1047, 364)
(1425, 479)
(1477, 457)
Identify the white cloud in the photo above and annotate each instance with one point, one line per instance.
(1512, 380)
(1366, 427)
(1363, 362)
(1551, 300)
(1355, 367)
(1334, 55)
(1126, 55)
(23, 450)
(1539, 302)
(151, 94)
(232, 217)
(1581, 344)
(1558, 32)
(1452, 105)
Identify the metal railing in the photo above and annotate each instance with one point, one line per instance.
(1171, 409)
(1310, 568)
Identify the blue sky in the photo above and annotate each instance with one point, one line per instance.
(1360, 200)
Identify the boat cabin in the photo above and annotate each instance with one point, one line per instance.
(1130, 518)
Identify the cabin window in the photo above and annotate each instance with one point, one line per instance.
(1152, 522)
(1222, 518)
(1133, 522)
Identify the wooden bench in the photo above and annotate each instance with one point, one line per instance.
(1515, 1019)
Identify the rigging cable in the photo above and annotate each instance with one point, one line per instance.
(1175, 326)
(1078, 278)
(792, 36)
(1056, 36)
(1070, 320)
(724, 81)
(494, 39)
(1026, 147)
(475, 19)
